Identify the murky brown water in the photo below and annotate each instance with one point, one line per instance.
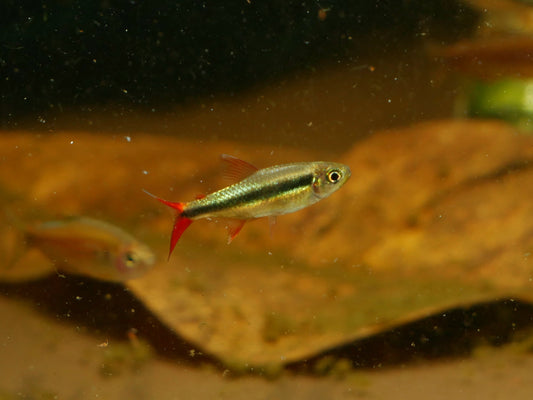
(428, 245)
(328, 108)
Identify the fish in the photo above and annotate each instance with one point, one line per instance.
(90, 247)
(267, 192)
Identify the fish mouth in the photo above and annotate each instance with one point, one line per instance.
(348, 174)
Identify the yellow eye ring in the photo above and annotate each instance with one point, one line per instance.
(334, 176)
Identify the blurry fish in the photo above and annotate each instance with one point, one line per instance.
(89, 247)
(267, 192)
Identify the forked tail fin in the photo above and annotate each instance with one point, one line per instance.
(181, 223)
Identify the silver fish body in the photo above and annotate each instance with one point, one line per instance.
(272, 191)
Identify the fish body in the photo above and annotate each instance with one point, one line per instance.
(91, 247)
(272, 191)
(267, 192)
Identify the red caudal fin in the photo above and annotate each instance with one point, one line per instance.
(181, 223)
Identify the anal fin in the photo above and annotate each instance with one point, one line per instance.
(233, 227)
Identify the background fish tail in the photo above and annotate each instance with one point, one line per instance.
(19, 261)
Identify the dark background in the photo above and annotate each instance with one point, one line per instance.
(70, 53)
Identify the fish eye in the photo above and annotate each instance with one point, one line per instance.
(334, 176)
(130, 259)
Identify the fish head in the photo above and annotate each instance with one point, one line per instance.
(133, 260)
(329, 177)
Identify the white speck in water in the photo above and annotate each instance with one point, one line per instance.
(389, 101)
(269, 253)
(72, 142)
(128, 139)
(145, 172)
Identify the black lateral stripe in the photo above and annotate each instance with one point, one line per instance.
(262, 193)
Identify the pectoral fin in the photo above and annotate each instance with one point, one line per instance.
(271, 224)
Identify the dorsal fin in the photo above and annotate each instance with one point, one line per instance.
(236, 169)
